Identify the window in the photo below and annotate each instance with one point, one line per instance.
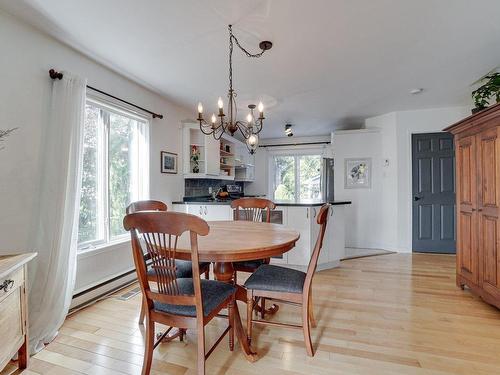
(115, 171)
(295, 177)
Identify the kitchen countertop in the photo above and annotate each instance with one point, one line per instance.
(204, 200)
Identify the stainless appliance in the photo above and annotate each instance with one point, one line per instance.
(233, 189)
(327, 180)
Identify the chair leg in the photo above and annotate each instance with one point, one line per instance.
(182, 333)
(149, 346)
(312, 319)
(262, 307)
(143, 311)
(307, 329)
(230, 309)
(201, 349)
(249, 317)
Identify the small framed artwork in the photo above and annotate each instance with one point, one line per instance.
(358, 173)
(168, 162)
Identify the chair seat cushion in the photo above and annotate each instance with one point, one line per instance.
(276, 279)
(248, 264)
(213, 294)
(184, 268)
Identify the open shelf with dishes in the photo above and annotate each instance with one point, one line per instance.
(226, 162)
(206, 157)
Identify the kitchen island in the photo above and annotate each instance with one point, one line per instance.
(300, 216)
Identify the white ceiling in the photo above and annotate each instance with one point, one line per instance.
(333, 63)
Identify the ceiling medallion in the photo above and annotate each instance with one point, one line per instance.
(249, 128)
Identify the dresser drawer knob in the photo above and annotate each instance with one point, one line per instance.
(7, 285)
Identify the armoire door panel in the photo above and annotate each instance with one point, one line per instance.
(465, 166)
(467, 253)
(489, 247)
(467, 256)
(488, 164)
(488, 209)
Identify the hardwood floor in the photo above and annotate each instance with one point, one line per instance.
(389, 314)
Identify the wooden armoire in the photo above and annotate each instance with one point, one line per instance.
(477, 151)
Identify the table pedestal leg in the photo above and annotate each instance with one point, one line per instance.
(224, 272)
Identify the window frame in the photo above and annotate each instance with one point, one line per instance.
(105, 238)
(296, 153)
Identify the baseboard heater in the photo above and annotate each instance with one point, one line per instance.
(102, 290)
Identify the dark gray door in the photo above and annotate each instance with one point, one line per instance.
(433, 170)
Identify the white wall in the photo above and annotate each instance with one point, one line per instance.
(25, 59)
(408, 123)
(362, 219)
(396, 130)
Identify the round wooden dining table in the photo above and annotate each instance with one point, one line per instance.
(234, 241)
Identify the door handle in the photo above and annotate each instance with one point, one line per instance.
(205, 210)
(201, 210)
(416, 198)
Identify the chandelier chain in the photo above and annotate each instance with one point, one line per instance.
(248, 54)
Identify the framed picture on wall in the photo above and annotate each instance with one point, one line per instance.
(358, 173)
(168, 162)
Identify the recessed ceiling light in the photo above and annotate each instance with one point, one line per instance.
(416, 91)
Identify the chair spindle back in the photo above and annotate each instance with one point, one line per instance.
(146, 205)
(160, 232)
(251, 209)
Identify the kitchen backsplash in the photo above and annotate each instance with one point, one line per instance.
(196, 187)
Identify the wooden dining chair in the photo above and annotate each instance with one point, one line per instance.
(186, 303)
(252, 209)
(184, 268)
(289, 286)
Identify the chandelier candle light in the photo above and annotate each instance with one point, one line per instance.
(249, 128)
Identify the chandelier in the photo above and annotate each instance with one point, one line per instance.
(249, 128)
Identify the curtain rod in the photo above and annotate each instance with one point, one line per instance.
(297, 144)
(58, 75)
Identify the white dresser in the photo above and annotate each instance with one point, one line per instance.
(14, 309)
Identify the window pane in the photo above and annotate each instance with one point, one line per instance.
(88, 229)
(121, 136)
(310, 176)
(284, 183)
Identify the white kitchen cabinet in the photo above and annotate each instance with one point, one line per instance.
(196, 209)
(212, 155)
(208, 212)
(335, 233)
(299, 218)
(215, 212)
(324, 253)
(245, 164)
(180, 208)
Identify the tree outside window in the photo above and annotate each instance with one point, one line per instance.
(296, 177)
(114, 173)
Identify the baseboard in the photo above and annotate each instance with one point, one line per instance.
(320, 267)
(96, 292)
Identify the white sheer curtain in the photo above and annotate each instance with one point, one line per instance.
(53, 273)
